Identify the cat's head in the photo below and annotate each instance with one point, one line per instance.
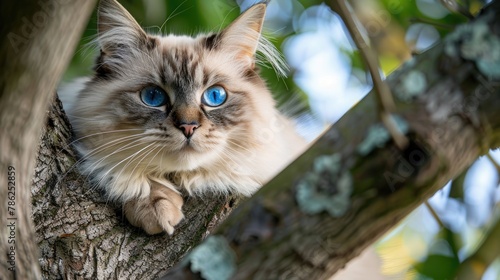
(174, 102)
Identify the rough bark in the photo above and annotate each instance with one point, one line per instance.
(452, 121)
(37, 44)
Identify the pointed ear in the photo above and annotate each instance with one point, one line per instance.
(241, 37)
(117, 28)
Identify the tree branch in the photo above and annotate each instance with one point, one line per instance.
(382, 91)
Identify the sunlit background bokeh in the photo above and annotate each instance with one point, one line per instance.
(328, 76)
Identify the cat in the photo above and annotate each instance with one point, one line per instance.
(165, 113)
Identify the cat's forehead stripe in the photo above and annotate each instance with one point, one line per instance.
(181, 65)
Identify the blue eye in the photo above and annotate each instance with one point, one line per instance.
(214, 96)
(153, 96)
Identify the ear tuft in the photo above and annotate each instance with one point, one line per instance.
(117, 27)
(242, 36)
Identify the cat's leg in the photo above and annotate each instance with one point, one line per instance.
(161, 211)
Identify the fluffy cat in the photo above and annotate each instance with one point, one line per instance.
(166, 113)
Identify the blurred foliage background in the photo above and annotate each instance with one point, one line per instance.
(326, 72)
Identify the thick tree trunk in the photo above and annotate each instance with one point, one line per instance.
(37, 44)
(348, 189)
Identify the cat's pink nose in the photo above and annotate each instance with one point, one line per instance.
(188, 129)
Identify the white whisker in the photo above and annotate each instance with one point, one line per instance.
(89, 170)
(173, 14)
(125, 159)
(128, 146)
(139, 162)
(106, 132)
(95, 151)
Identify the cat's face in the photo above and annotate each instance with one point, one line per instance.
(173, 102)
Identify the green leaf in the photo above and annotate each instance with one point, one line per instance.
(451, 238)
(438, 267)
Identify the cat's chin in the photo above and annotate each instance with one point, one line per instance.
(189, 158)
(189, 149)
(187, 163)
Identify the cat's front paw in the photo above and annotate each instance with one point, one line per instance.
(161, 211)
